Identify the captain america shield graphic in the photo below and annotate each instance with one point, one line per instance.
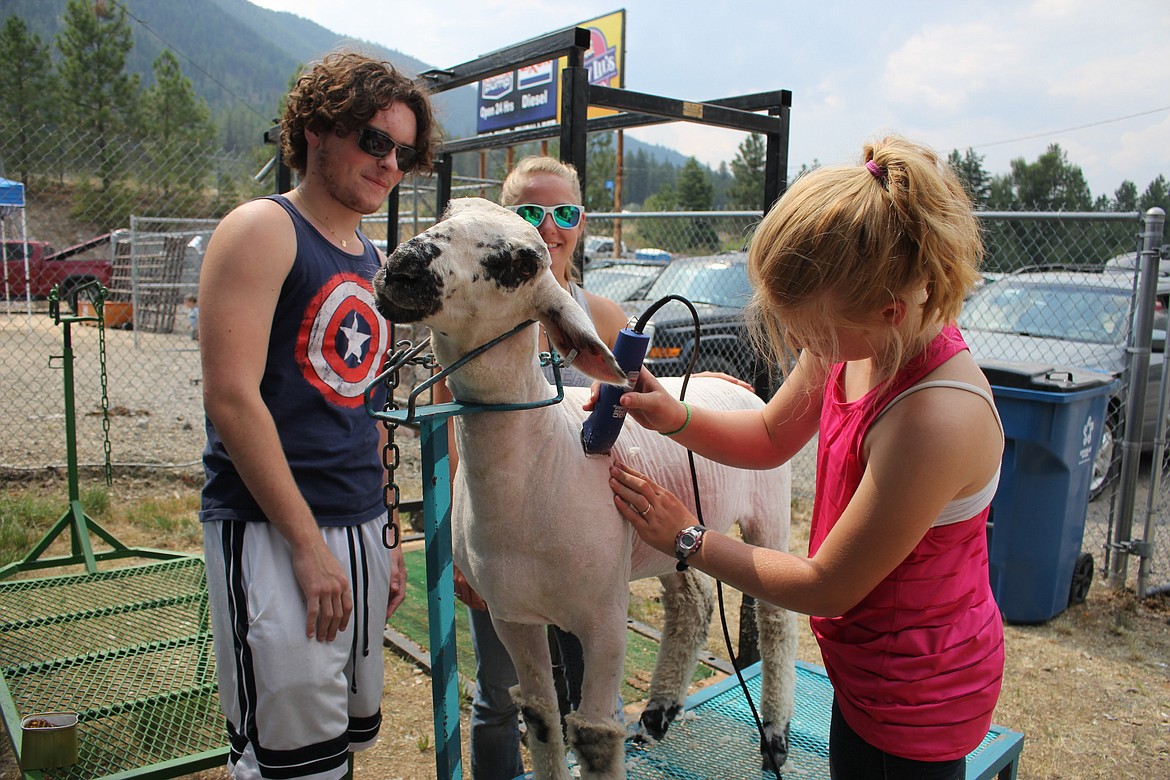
(342, 339)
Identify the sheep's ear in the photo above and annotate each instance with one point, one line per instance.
(572, 333)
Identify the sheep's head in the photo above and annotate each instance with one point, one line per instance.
(479, 271)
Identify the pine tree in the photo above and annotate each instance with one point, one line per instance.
(25, 95)
(975, 179)
(694, 192)
(179, 133)
(747, 189)
(96, 92)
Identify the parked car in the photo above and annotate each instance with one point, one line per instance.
(601, 248)
(621, 280)
(653, 254)
(718, 287)
(1075, 320)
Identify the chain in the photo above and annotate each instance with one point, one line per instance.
(391, 455)
(109, 469)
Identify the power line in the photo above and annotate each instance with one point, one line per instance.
(1072, 129)
(193, 63)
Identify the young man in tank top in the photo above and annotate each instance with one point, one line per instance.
(299, 578)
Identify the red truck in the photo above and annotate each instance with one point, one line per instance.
(48, 267)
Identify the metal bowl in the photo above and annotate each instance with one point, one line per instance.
(48, 739)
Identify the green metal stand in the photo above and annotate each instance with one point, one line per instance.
(75, 520)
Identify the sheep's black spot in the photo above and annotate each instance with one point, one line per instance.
(537, 726)
(595, 748)
(775, 742)
(509, 266)
(657, 717)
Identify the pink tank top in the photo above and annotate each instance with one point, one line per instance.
(917, 664)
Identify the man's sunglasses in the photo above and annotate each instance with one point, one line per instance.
(566, 215)
(377, 144)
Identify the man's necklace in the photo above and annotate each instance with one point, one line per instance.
(301, 201)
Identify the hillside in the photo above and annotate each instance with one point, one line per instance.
(240, 56)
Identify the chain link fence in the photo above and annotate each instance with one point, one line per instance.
(153, 213)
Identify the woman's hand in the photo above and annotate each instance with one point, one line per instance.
(655, 513)
(465, 593)
(726, 378)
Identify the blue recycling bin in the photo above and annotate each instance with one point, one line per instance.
(1052, 420)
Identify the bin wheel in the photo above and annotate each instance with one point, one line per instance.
(1081, 580)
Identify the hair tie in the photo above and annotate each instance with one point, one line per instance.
(878, 172)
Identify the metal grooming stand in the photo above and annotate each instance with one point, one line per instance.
(576, 96)
(436, 478)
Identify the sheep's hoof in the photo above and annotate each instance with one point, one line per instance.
(598, 747)
(774, 743)
(655, 720)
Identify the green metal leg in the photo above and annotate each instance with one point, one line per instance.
(441, 596)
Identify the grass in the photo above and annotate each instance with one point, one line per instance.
(29, 510)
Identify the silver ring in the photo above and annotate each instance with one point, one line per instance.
(643, 512)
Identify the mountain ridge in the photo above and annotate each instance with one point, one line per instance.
(240, 56)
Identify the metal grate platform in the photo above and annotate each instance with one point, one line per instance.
(716, 737)
(130, 651)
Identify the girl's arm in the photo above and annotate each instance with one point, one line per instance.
(936, 445)
(757, 439)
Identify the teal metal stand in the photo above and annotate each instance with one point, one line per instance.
(436, 466)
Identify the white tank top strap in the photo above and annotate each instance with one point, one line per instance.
(968, 506)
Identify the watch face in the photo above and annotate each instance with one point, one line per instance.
(688, 539)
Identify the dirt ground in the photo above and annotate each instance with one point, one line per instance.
(1089, 689)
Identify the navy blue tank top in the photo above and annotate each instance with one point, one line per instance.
(328, 341)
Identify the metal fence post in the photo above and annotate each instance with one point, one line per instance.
(1152, 237)
(1139, 371)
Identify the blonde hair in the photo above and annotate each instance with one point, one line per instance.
(536, 165)
(866, 235)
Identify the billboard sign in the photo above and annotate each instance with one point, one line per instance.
(529, 96)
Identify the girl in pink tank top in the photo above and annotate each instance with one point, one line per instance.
(858, 273)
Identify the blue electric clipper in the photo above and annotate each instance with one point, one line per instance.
(601, 429)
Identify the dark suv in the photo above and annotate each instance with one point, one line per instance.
(717, 286)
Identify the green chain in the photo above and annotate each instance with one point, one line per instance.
(99, 306)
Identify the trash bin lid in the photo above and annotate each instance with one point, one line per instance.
(1042, 376)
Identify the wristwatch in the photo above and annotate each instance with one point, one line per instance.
(686, 543)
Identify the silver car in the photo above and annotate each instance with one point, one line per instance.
(1070, 320)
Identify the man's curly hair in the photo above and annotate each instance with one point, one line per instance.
(341, 94)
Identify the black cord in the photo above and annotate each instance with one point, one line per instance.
(638, 327)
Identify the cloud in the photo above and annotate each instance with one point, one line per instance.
(943, 67)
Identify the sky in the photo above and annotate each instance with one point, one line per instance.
(1006, 78)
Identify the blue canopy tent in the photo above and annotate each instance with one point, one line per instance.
(11, 202)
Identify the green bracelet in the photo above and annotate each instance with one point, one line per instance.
(686, 422)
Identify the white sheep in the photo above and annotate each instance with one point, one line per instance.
(534, 526)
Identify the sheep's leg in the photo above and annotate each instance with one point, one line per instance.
(778, 645)
(687, 605)
(595, 730)
(537, 699)
(778, 648)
